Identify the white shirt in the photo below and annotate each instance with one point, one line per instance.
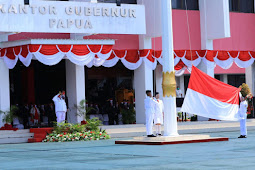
(60, 104)
(179, 93)
(149, 104)
(159, 107)
(243, 109)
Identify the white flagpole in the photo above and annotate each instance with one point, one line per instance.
(169, 83)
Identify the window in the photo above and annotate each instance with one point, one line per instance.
(180, 4)
(236, 80)
(122, 1)
(245, 6)
(217, 77)
(186, 82)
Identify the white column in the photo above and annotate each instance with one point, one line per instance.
(4, 89)
(225, 78)
(182, 87)
(143, 80)
(206, 44)
(208, 69)
(170, 120)
(75, 89)
(250, 77)
(158, 72)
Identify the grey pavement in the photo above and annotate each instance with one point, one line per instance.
(123, 131)
(233, 154)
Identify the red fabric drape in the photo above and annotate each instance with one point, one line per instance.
(64, 48)
(34, 48)
(80, 50)
(223, 55)
(49, 49)
(106, 49)
(132, 56)
(95, 48)
(120, 53)
(24, 51)
(244, 56)
(10, 54)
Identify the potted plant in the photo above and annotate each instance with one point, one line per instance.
(82, 110)
(179, 116)
(194, 118)
(9, 115)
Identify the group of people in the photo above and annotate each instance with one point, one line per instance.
(29, 115)
(109, 112)
(154, 111)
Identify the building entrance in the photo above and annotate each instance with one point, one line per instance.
(108, 91)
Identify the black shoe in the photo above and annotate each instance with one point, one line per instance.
(159, 135)
(151, 135)
(242, 136)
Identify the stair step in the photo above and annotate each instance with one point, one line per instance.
(41, 130)
(33, 140)
(13, 140)
(39, 135)
(22, 131)
(18, 135)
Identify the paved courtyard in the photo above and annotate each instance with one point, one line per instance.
(233, 154)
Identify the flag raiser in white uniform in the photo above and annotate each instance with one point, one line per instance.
(60, 108)
(159, 109)
(149, 105)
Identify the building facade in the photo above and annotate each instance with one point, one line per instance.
(106, 47)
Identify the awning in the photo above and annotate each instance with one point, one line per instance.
(101, 53)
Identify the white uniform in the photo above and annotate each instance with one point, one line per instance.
(159, 109)
(242, 117)
(149, 105)
(60, 108)
(179, 93)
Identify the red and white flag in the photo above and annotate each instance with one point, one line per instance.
(209, 97)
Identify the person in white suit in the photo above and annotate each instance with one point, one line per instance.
(149, 105)
(158, 117)
(60, 107)
(243, 116)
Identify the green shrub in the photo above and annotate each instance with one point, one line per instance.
(9, 114)
(128, 115)
(64, 132)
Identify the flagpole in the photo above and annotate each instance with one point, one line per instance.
(169, 83)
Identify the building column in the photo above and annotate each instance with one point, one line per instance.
(250, 77)
(4, 90)
(182, 85)
(143, 80)
(225, 78)
(75, 89)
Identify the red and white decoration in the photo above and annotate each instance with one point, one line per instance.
(209, 97)
(104, 55)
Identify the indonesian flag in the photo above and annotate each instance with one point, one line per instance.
(209, 97)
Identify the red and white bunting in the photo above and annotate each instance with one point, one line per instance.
(104, 55)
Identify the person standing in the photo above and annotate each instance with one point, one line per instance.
(60, 107)
(158, 119)
(149, 105)
(35, 115)
(242, 117)
(178, 92)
